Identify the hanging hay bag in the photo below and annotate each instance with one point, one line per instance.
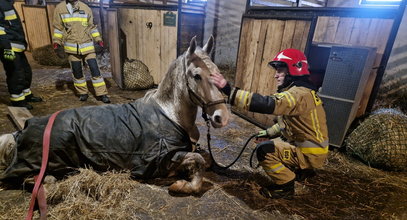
(46, 56)
(136, 75)
(381, 140)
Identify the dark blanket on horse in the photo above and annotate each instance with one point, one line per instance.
(137, 136)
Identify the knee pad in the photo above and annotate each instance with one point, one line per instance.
(77, 69)
(263, 148)
(93, 66)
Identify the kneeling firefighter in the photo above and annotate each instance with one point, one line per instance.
(16, 66)
(75, 30)
(301, 121)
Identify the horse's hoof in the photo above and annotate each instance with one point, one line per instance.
(180, 186)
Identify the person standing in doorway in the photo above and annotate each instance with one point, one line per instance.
(75, 34)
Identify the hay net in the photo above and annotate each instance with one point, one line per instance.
(381, 140)
(136, 75)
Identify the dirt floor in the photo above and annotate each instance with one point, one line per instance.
(343, 189)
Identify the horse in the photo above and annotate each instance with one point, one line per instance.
(152, 136)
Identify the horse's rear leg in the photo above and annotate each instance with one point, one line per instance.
(193, 164)
(7, 146)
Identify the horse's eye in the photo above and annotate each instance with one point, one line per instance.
(197, 77)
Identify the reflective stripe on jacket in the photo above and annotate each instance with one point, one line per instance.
(76, 30)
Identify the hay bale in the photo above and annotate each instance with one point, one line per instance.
(381, 140)
(136, 75)
(46, 56)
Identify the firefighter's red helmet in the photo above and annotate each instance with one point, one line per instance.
(294, 59)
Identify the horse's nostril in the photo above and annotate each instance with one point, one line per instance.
(218, 119)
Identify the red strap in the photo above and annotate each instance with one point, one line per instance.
(38, 188)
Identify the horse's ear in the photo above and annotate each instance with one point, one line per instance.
(209, 45)
(192, 46)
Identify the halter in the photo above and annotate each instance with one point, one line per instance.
(201, 102)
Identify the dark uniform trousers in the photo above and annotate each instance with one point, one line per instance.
(18, 71)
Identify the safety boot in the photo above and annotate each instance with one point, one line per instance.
(275, 191)
(83, 97)
(32, 98)
(104, 99)
(302, 175)
(22, 103)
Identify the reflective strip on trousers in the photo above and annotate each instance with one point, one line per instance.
(97, 82)
(17, 97)
(80, 82)
(27, 92)
(277, 168)
(308, 147)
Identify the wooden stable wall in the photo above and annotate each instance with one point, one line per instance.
(369, 32)
(156, 47)
(36, 26)
(260, 41)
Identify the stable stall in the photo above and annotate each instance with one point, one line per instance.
(347, 48)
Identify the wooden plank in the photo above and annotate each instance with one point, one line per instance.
(114, 46)
(273, 44)
(50, 13)
(288, 34)
(168, 45)
(243, 50)
(360, 31)
(36, 21)
(383, 29)
(305, 36)
(19, 115)
(320, 29)
(331, 29)
(344, 30)
(298, 35)
(259, 60)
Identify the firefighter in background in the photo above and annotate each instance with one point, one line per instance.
(75, 33)
(12, 47)
(300, 119)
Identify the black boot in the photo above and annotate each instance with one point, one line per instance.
(302, 175)
(274, 191)
(104, 99)
(22, 103)
(83, 97)
(32, 98)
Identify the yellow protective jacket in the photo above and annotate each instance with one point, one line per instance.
(75, 31)
(11, 30)
(301, 117)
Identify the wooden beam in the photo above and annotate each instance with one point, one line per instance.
(19, 115)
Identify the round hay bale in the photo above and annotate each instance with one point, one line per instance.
(136, 75)
(381, 140)
(46, 56)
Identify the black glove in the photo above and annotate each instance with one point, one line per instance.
(59, 50)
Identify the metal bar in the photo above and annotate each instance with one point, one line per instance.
(386, 55)
(179, 26)
(324, 11)
(145, 6)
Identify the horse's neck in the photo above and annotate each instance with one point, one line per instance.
(173, 97)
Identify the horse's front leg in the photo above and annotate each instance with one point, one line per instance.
(193, 164)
